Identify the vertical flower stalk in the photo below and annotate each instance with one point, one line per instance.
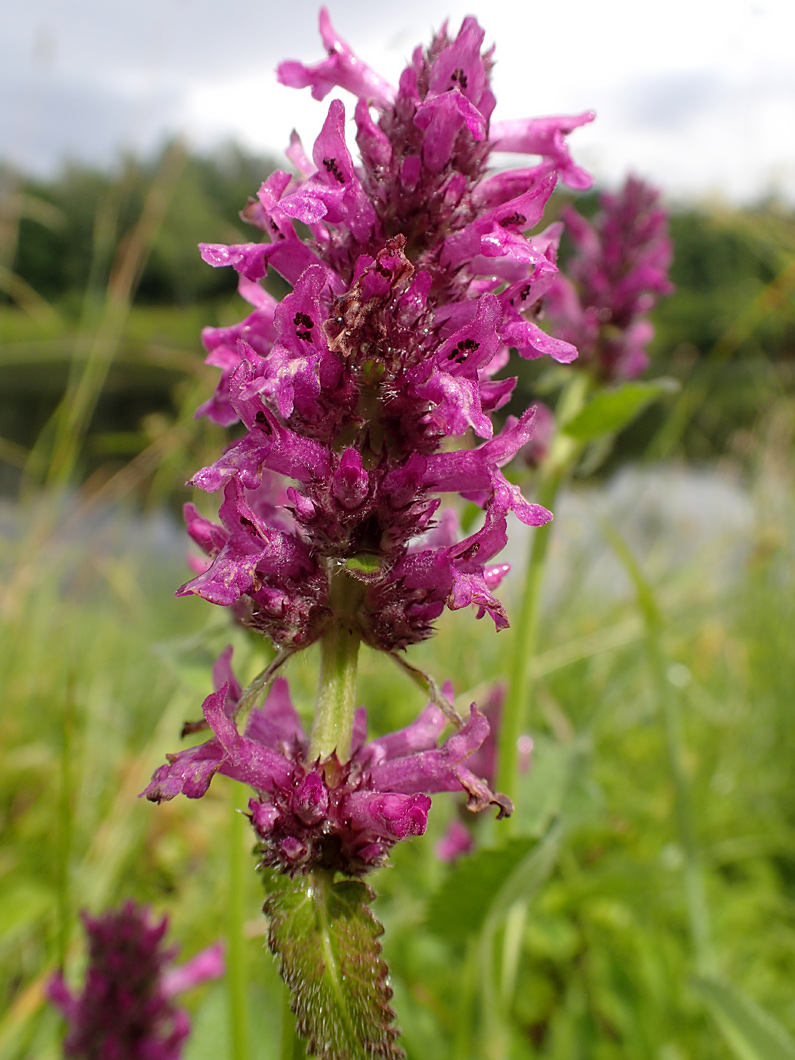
(615, 276)
(417, 278)
(332, 729)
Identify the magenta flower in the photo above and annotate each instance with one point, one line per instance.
(535, 452)
(617, 274)
(456, 842)
(458, 839)
(327, 814)
(416, 281)
(126, 1010)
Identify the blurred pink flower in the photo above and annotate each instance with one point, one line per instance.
(125, 1010)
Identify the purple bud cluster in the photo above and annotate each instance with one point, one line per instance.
(617, 274)
(340, 816)
(126, 1010)
(417, 278)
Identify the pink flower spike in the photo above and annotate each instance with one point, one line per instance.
(418, 278)
(618, 272)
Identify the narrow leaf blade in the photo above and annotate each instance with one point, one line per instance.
(611, 410)
(751, 1032)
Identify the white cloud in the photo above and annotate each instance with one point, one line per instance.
(698, 96)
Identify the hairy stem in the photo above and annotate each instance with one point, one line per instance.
(339, 657)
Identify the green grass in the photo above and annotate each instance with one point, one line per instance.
(100, 666)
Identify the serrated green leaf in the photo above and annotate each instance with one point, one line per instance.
(611, 410)
(486, 884)
(326, 939)
(751, 1032)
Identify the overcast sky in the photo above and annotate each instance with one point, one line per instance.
(697, 95)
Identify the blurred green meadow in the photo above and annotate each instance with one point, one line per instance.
(644, 906)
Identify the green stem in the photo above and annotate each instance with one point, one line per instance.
(467, 1001)
(237, 972)
(525, 645)
(339, 657)
(495, 1029)
(698, 914)
(515, 920)
(66, 829)
(561, 459)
